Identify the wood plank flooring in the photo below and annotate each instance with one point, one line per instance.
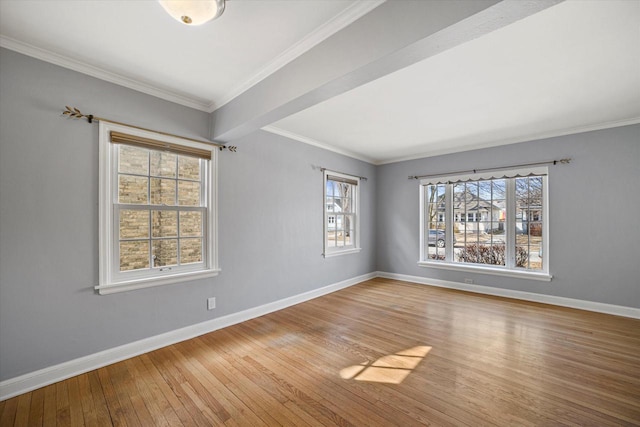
(381, 353)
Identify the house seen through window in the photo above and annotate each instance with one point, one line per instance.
(341, 228)
(496, 222)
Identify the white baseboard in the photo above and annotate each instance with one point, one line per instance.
(43, 377)
(599, 307)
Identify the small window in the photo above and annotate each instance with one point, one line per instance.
(157, 220)
(341, 221)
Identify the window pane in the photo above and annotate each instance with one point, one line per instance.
(133, 160)
(134, 255)
(163, 191)
(190, 251)
(347, 205)
(535, 246)
(188, 193)
(165, 252)
(499, 188)
(338, 204)
(348, 229)
(499, 215)
(529, 248)
(343, 189)
(163, 164)
(461, 236)
(528, 226)
(329, 206)
(331, 239)
(330, 188)
(164, 224)
(190, 224)
(479, 214)
(133, 189)
(134, 224)
(188, 168)
(435, 240)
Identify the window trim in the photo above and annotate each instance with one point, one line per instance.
(355, 248)
(510, 175)
(108, 280)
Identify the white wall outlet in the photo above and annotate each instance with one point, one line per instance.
(468, 281)
(211, 303)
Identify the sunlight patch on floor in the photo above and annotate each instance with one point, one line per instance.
(390, 369)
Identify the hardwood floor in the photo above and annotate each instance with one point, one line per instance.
(380, 353)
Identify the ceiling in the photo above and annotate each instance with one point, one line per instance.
(572, 67)
(137, 44)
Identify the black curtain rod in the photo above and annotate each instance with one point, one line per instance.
(550, 162)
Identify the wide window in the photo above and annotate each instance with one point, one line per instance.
(157, 223)
(341, 228)
(491, 224)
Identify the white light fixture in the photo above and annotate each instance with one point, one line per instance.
(193, 12)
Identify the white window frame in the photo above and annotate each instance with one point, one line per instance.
(111, 280)
(510, 270)
(355, 246)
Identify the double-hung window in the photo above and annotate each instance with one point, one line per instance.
(157, 209)
(493, 223)
(341, 210)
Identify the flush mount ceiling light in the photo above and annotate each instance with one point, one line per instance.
(193, 12)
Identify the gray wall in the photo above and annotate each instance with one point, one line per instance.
(593, 221)
(270, 221)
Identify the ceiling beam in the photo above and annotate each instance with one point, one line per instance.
(391, 37)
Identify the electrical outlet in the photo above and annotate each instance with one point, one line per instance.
(211, 303)
(468, 281)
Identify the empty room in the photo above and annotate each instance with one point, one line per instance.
(319, 213)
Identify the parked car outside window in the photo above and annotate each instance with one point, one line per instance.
(437, 238)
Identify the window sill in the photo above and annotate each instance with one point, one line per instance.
(344, 252)
(520, 274)
(149, 282)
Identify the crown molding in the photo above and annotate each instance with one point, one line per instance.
(90, 70)
(515, 140)
(335, 24)
(316, 143)
(444, 151)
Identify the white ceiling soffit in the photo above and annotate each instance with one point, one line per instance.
(136, 44)
(570, 68)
